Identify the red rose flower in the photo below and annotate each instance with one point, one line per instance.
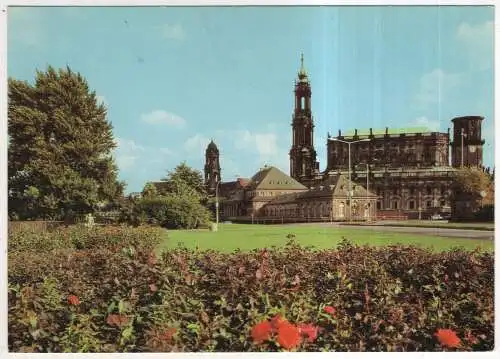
(330, 310)
(261, 332)
(288, 336)
(73, 300)
(277, 321)
(448, 338)
(309, 331)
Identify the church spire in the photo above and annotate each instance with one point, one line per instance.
(302, 71)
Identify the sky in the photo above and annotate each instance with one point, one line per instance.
(173, 78)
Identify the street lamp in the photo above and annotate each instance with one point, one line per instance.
(217, 204)
(349, 143)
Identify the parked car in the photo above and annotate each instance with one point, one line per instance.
(436, 217)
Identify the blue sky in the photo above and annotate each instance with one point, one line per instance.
(173, 78)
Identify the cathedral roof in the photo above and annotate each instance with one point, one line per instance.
(271, 178)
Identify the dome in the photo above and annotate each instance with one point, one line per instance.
(212, 147)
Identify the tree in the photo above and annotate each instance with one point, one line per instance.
(176, 202)
(59, 152)
(180, 208)
(183, 173)
(149, 191)
(471, 181)
(473, 194)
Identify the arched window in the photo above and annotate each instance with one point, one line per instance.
(341, 210)
(302, 102)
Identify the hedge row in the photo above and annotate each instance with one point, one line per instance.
(125, 299)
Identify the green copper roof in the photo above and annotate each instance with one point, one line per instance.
(391, 131)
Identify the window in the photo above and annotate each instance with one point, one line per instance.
(429, 190)
(302, 102)
(395, 204)
(429, 204)
(379, 205)
(412, 204)
(341, 210)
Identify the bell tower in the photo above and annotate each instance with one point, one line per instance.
(212, 167)
(303, 165)
(467, 145)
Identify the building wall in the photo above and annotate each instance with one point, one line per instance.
(336, 209)
(399, 150)
(412, 191)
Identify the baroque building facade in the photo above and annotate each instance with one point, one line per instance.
(398, 173)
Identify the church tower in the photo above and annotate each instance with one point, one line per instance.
(303, 165)
(212, 167)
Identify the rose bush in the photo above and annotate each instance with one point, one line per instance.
(120, 296)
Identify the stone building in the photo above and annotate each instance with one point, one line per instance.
(406, 172)
(272, 195)
(409, 171)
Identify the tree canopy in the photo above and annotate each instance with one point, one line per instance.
(60, 147)
(175, 202)
(187, 175)
(471, 181)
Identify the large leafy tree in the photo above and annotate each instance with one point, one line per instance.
(60, 143)
(191, 177)
(471, 181)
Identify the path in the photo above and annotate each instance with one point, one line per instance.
(439, 232)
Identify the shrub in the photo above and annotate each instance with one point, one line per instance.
(82, 237)
(351, 298)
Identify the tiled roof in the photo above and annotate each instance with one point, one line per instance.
(271, 178)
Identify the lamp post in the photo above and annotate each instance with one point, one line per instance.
(462, 148)
(217, 205)
(349, 194)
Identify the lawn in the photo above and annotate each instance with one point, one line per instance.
(247, 237)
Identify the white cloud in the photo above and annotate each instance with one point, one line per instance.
(264, 143)
(477, 42)
(434, 87)
(264, 146)
(157, 117)
(173, 32)
(432, 125)
(127, 152)
(196, 145)
(166, 151)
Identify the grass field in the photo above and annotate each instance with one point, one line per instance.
(247, 237)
